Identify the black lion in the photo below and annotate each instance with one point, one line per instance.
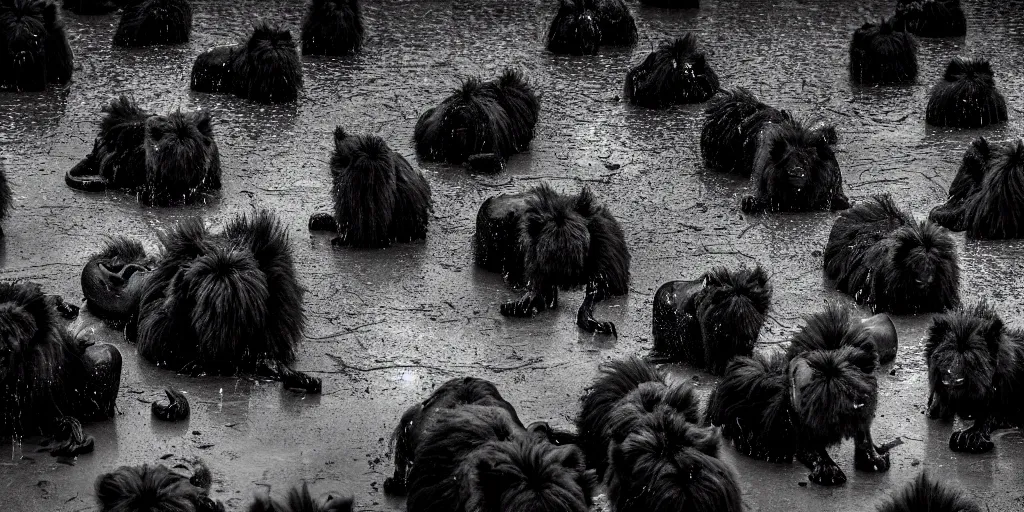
(677, 72)
(795, 169)
(150, 22)
(643, 435)
(299, 499)
(581, 26)
(986, 192)
(774, 406)
(464, 449)
(217, 303)
(708, 321)
(154, 489)
(546, 241)
(378, 196)
(49, 380)
(884, 258)
(264, 69)
(163, 159)
(975, 371)
(733, 123)
(966, 97)
(881, 54)
(926, 494)
(34, 49)
(332, 27)
(479, 118)
(931, 18)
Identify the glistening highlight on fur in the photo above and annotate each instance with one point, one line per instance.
(379, 197)
(34, 49)
(152, 489)
(967, 96)
(547, 241)
(881, 54)
(150, 22)
(642, 434)
(885, 259)
(986, 193)
(823, 390)
(709, 321)
(332, 27)
(266, 68)
(169, 159)
(480, 117)
(975, 371)
(733, 123)
(677, 72)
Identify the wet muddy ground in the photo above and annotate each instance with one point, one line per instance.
(386, 327)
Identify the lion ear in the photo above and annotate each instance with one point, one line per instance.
(50, 15)
(993, 332)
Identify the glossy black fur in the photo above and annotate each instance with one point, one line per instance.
(265, 69)
(820, 392)
(299, 499)
(378, 197)
(164, 159)
(469, 452)
(91, 6)
(34, 49)
(986, 193)
(733, 123)
(677, 72)
(795, 169)
(50, 381)
(927, 494)
(151, 22)
(480, 117)
(642, 434)
(709, 321)
(151, 489)
(931, 18)
(967, 96)
(885, 259)
(581, 26)
(332, 27)
(881, 54)
(975, 371)
(549, 241)
(415, 421)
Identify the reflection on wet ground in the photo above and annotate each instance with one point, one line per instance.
(388, 326)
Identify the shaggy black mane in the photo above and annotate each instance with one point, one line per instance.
(676, 72)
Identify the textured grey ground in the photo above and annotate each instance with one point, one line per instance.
(386, 327)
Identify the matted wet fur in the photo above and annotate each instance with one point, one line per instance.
(152, 489)
(966, 96)
(709, 321)
(34, 49)
(332, 27)
(931, 18)
(987, 191)
(266, 68)
(452, 394)
(151, 22)
(975, 371)
(378, 197)
(217, 303)
(49, 380)
(642, 434)
(881, 54)
(677, 72)
(822, 391)
(581, 26)
(547, 241)
(733, 122)
(888, 261)
(927, 494)
(795, 169)
(479, 117)
(299, 499)
(164, 159)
